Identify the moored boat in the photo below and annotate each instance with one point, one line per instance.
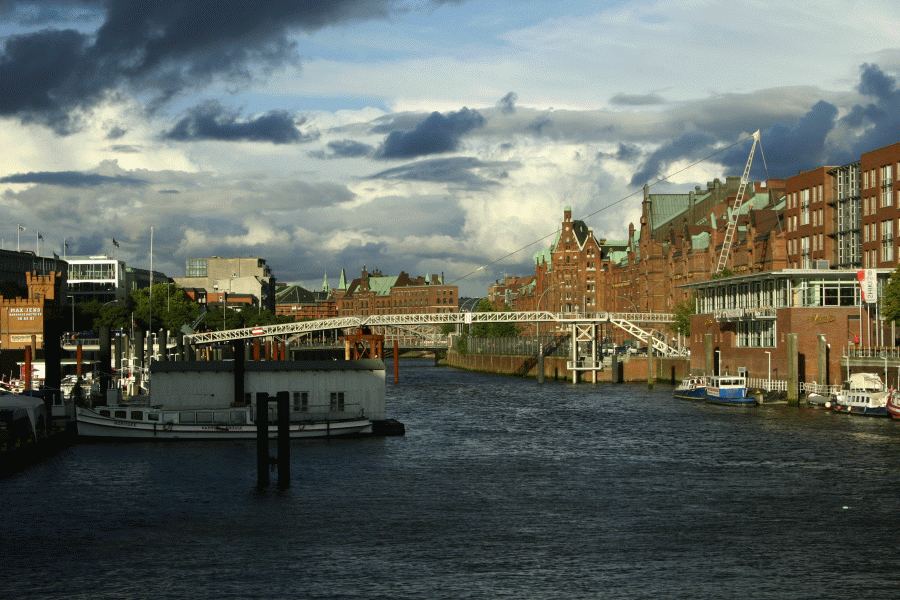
(138, 422)
(893, 405)
(691, 388)
(864, 394)
(728, 390)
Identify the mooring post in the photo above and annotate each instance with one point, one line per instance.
(540, 363)
(284, 440)
(793, 365)
(397, 361)
(262, 440)
(822, 365)
(651, 373)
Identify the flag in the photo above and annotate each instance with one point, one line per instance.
(115, 243)
(66, 245)
(40, 235)
(20, 227)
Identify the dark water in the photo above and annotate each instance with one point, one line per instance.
(500, 489)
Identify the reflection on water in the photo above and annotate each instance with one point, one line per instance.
(501, 488)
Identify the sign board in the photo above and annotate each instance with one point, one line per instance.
(868, 285)
(25, 313)
(25, 339)
(257, 331)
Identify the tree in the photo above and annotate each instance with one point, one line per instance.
(683, 312)
(492, 329)
(891, 301)
(171, 307)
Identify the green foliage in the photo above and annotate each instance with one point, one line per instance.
(448, 328)
(683, 312)
(171, 308)
(726, 272)
(235, 318)
(462, 345)
(891, 300)
(492, 329)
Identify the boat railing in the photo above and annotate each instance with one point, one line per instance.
(323, 412)
(892, 352)
(769, 385)
(823, 389)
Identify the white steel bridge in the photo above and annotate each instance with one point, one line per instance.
(583, 326)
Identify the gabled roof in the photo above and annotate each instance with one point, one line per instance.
(295, 294)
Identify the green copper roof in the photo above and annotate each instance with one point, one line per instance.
(325, 287)
(782, 202)
(665, 207)
(382, 285)
(618, 256)
(342, 284)
(700, 241)
(757, 202)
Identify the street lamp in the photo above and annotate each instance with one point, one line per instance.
(769, 378)
(537, 308)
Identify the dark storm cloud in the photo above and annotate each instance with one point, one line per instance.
(115, 133)
(465, 171)
(636, 99)
(212, 121)
(815, 138)
(878, 121)
(507, 104)
(74, 179)
(160, 48)
(125, 148)
(344, 149)
(169, 192)
(626, 152)
(437, 133)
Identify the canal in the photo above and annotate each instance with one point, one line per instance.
(501, 488)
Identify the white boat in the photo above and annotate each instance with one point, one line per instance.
(863, 394)
(210, 400)
(136, 422)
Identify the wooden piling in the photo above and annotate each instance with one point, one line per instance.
(262, 440)
(26, 375)
(540, 364)
(822, 356)
(793, 366)
(396, 362)
(284, 440)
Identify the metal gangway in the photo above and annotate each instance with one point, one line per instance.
(627, 321)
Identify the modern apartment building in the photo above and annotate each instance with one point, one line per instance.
(810, 219)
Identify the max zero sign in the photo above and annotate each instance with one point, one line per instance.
(257, 331)
(868, 285)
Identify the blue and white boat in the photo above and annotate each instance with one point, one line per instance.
(691, 388)
(729, 390)
(863, 394)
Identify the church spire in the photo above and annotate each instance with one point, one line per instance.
(325, 287)
(342, 284)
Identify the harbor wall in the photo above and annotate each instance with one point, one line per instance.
(631, 368)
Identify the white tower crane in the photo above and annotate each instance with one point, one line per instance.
(732, 218)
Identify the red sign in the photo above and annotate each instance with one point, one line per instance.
(257, 331)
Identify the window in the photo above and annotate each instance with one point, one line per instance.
(119, 414)
(301, 401)
(804, 207)
(887, 240)
(337, 401)
(137, 415)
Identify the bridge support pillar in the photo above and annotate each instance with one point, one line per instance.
(397, 361)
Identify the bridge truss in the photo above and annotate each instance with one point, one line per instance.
(627, 322)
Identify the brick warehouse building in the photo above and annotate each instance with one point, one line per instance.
(374, 294)
(810, 232)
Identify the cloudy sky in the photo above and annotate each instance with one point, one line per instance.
(427, 136)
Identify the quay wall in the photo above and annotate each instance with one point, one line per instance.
(631, 368)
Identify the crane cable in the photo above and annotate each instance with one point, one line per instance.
(608, 206)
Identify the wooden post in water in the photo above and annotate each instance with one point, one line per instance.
(262, 440)
(26, 375)
(79, 355)
(822, 357)
(396, 361)
(651, 373)
(540, 363)
(793, 366)
(284, 440)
